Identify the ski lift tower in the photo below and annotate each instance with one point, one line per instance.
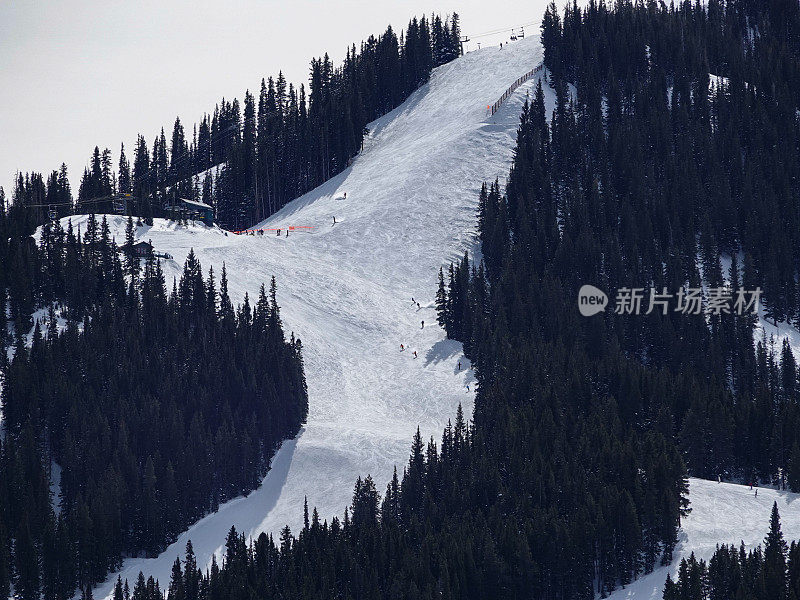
(464, 39)
(119, 203)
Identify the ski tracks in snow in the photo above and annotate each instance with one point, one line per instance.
(346, 291)
(722, 513)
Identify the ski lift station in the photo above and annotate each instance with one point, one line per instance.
(197, 210)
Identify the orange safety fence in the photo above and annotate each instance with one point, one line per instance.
(265, 229)
(495, 107)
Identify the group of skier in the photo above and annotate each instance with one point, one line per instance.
(719, 480)
(342, 198)
(280, 229)
(261, 232)
(403, 348)
(422, 326)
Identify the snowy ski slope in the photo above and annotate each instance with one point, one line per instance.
(346, 291)
(722, 513)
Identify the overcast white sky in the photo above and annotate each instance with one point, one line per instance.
(78, 74)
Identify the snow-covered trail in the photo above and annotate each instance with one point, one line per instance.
(722, 513)
(346, 291)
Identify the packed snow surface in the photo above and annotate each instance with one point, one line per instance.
(722, 513)
(346, 290)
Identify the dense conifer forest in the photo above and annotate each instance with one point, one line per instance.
(270, 148)
(153, 406)
(672, 151)
(650, 177)
(771, 573)
(571, 478)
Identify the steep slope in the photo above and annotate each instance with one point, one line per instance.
(346, 289)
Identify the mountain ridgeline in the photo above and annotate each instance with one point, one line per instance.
(270, 148)
(571, 479)
(152, 407)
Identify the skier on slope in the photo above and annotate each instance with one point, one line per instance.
(334, 220)
(402, 347)
(415, 354)
(423, 325)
